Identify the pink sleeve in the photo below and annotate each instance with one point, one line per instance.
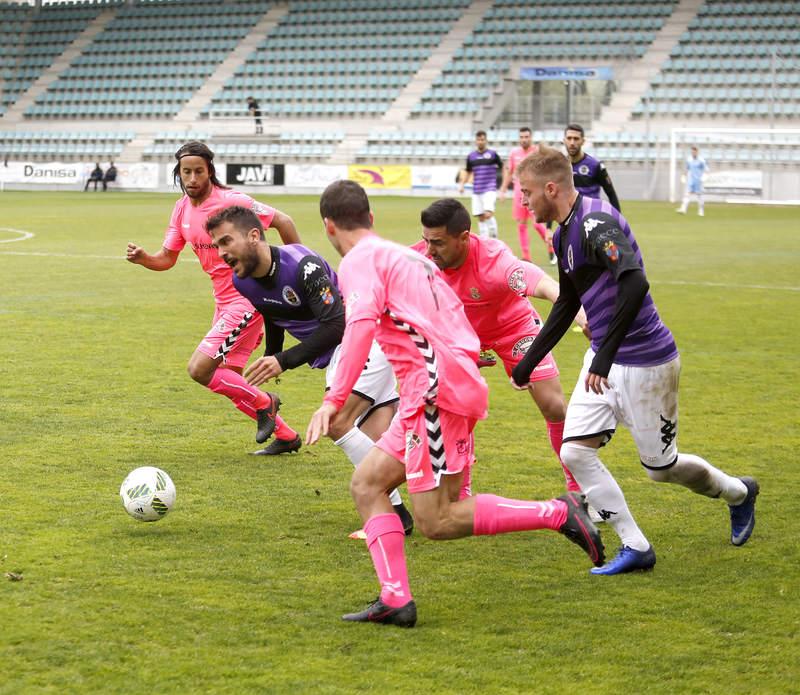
(174, 239)
(356, 345)
(533, 275)
(420, 247)
(265, 212)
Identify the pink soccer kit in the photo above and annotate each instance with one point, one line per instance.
(520, 213)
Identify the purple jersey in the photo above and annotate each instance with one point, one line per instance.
(588, 173)
(484, 167)
(595, 246)
(300, 295)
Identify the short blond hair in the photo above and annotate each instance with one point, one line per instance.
(547, 164)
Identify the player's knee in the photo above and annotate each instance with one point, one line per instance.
(660, 475)
(577, 457)
(199, 373)
(432, 527)
(339, 427)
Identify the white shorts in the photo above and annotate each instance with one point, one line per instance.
(644, 399)
(483, 202)
(376, 384)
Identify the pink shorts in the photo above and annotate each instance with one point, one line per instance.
(511, 350)
(448, 450)
(518, 211)
(226, 318)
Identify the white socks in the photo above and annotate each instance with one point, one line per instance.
(491, 227)
(356, 445)
(603, 493)
(701, 477)
(483, 229)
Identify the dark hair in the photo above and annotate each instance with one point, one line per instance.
(345, 203)
(243, 219)
(576, 127)
(194, 148)
(448, 213)
(524, 129)
(479, 133)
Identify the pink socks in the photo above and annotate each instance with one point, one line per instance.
(524, 240)
(385, 540)
(556, 432)
(245, 397)
(495, 514)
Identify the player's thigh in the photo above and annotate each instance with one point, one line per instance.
(549, 398)
(591, 414)
(222, 337)
(650, 396)
(477, 205)
(489, 201)
(378, 473)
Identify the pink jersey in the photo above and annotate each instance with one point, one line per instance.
(421, 326)
(188, 224)
(515, 157)
(494, 286)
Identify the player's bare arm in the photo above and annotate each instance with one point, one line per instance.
(505, 183)
(286, 228)
(262, 370)
(163, 260)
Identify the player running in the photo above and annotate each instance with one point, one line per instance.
(630, 372)
(483, 166)
(494, 287)
(218, 361)
(296, 291)
(395, 295)
(520, 213)
(589, 174)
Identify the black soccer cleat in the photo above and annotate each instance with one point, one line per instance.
(265, 418)
(743, 515)
(379, 612)
(579, 528)
(405, 517)
(279, 446)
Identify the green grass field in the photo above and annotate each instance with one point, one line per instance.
(240, 588)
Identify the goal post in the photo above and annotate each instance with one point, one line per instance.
(755, 165)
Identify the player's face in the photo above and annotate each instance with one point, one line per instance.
(194, 176)
(480, 143)
(445, 250)
(573, 141)
(239, 251)
(534, 197)
(525, 140)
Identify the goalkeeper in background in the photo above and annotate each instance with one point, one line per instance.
(696, 169)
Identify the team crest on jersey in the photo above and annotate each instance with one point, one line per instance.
(290, 296)
(220, 326)
(412, 441)
(570, 258)
(473, 292)
(521, 346)
(612, 251)
(327, 295)
(259, 208)
(583, 169)
(516, 281)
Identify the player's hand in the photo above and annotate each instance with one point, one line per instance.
(134, 253)
(262, 370)
(320, 423)
(595, 383)
(526, 387)
(501, 196)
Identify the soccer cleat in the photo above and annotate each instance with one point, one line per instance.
(379, 612)
(553, 259)
(359, 535)
(486, 359)
(265, 418)
(701, 214)
(279, 446)
(594, 515)
(680, 211)
(405, 517)
(743, 516)
(628, 560)
(579, 528)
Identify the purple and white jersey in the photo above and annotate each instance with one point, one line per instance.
(484, 167)
(300, 295)
(588, 174)
(595, 246)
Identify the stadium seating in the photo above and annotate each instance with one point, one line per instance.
(64, 146)
(149, 60)
(725, 64)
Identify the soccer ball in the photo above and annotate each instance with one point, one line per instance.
(148, 493)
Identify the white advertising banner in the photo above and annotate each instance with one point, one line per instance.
(138, 175)
(42, 172)
(434, 176)
(746, 182)
(313, 175)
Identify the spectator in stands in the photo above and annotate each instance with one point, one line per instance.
(696, 168)
(589, 173)
(95, 177)
(110, 176)
(255, 111)
(484, 165)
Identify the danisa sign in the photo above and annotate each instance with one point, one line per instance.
(549, 73)
(254, 174)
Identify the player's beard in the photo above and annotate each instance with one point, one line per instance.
(247, 265)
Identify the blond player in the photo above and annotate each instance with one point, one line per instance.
(218, 361)
(398, 297)
(520, 213)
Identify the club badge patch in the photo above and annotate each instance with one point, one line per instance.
(612, 251)
(220, 326)
(521, 346)
(290, 296)
(473, 292)
(516, 281)
(412, 441)
(583, 169)
(327, 295)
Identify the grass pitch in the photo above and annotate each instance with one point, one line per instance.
(240, 588)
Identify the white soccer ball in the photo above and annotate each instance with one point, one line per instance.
(148, 493)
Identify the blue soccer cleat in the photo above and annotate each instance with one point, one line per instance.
(743, 516)
(628, 560)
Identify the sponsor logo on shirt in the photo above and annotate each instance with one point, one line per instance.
(309, 268)
(198, 246)
(327, 295)
(290, 296)
(259, 208)
(612, 251)
(521, 346)
(590, 224)
(516, 281)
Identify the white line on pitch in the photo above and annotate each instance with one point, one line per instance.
(77, 255)
(24, 235)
